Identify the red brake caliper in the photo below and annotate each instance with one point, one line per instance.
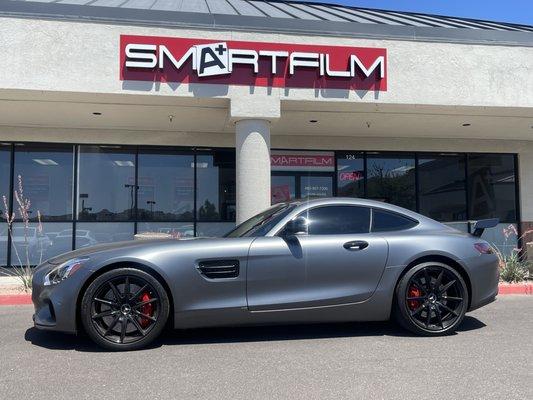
(413, 292)
(147, 309)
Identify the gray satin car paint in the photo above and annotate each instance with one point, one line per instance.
(302, 278)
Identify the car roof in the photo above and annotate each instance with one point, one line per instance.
(351, 201)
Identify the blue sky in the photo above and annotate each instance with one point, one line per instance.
(517, 11)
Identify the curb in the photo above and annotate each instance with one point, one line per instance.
(515, 288)
(15, 299)
(503, 289)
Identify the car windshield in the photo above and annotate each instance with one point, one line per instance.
(261, 223)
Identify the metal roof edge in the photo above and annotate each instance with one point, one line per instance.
(174, 19)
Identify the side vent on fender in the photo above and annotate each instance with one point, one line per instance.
(219, 269)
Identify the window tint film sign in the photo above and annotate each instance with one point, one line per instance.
(302, 161)
(186, 60)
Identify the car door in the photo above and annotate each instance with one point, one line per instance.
(337, 262)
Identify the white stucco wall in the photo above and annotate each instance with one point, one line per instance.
(83, 57)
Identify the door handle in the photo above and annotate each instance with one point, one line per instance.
(355, 245)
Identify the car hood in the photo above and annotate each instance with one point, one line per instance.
(128, 245)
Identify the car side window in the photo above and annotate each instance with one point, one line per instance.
(337, 220)
(386, 221)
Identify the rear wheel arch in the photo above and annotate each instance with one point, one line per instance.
(125, 264)
(442, 259)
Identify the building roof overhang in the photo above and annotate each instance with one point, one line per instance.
(291, 17)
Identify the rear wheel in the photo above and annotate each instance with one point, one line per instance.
(431, 299)
(124, 309)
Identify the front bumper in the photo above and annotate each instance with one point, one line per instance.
(55, 305)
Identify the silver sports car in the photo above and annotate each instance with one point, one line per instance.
(303, 261)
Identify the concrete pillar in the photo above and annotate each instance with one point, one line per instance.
(525, 162)
(253, 167)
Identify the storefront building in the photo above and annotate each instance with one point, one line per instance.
(186, 117)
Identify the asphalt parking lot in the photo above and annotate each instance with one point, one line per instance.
(491, 357)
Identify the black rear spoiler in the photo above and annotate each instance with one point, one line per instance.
(482, 224)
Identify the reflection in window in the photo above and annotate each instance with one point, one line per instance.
(166, 186)
(391, 178)
(216, 186)
(106, 184)
(442, 188)
(46, 174)
(89, 234)
(338, 220)
(491, 187)
(214, 229)
(41, 242)
(351, 175)
(176, 230)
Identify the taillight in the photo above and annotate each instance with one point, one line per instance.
(483, 248)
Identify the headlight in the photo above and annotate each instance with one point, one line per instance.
(63, 271)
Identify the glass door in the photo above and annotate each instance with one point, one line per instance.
(290, 186)
(315, 186)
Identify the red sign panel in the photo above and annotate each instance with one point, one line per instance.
(185, 60)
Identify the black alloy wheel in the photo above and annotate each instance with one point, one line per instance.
(431, 299)
(124, 309)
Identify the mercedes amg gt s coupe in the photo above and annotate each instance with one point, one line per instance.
(304, 261)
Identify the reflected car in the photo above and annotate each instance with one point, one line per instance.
(310, 261)
(27, 238)
(185, 231)
(63, 240)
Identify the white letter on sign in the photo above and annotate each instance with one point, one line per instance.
(303, 60)
(274, 55)
(380, 62)
(212, 59)
(163, 51)
(140, 55)
(243, 57)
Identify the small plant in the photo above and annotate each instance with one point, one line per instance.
(22, 270)
(513, 267)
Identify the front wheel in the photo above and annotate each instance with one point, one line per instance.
(431, 299)
(124, 309)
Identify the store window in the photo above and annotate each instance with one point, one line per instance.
(36, 243)
(442, 186)
(350, 175)
(46, 177)
(283, 188)
(213, 229)
(106, 184)
(5, 162)
(166, 186)
(215, 187)
(491, 187)
(391, 178)
(175, 229)
(91, 233)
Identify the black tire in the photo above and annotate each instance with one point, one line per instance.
(431, 299)
(124, 309)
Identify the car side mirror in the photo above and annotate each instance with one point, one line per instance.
(297, 226)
